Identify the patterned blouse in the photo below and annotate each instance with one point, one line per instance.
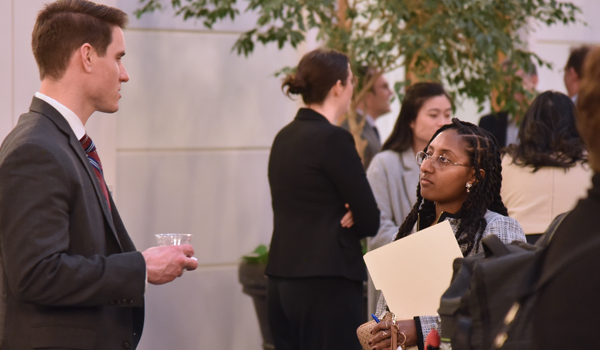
(507, 229)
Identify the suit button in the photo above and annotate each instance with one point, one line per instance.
(126, 345)
(125, 301)
(131, 301)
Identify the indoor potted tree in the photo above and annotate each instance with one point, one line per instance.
(460, 43)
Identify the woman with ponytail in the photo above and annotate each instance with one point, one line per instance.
(322, 208)
(460, 181)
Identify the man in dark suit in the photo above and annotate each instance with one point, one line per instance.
(373, 105)
(574, 70)
(71, 278)
(502, 125)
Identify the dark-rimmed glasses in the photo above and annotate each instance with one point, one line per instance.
(439, 162)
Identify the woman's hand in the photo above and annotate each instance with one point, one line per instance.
(382, 339)
(348, 219)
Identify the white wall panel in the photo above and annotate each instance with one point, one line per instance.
(26, 76)
(557, 54)
(221, 197)
(204, 309)
(574, 33)
(187, 90)
(6, 67)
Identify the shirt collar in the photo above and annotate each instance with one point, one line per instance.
(71, 118)
(368, 117)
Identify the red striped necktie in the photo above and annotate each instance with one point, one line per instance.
(90, 150)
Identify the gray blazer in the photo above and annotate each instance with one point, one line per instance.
(71, 277)
(393, 178)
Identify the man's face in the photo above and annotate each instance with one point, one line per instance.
(378, 100)
(529, 83)
(107, 74)
(571, 81)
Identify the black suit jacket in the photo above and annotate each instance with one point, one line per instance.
(314, 170)
(71, 275)
(496, 124)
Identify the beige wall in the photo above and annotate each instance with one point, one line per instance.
(188, 152)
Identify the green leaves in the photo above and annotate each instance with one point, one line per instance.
(460, 43)
(260, 255)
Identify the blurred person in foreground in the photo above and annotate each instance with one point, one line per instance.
(72, 278)
(574, 70)
(565, 315)
(546, 173)
(322, 207)
(374, 104)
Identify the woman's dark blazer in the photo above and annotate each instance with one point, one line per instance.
(314, 170)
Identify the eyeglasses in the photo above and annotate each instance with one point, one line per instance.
(439, 162)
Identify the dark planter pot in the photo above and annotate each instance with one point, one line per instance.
(254, 282)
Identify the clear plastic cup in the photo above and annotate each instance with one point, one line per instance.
(166, 239)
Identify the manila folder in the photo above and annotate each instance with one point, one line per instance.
(414, 272)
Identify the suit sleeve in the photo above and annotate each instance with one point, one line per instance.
(378, 179)
(35, 240)
(342, 164)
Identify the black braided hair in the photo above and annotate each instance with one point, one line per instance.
(484, 153)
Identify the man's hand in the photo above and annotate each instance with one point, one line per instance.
(164, 264)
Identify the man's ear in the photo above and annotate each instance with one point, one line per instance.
(85, 54)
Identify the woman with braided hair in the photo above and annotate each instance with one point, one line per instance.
(460, 181)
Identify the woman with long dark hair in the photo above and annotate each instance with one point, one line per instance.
(322, 208)
(393, 173)
(460, 181)
(547, 172)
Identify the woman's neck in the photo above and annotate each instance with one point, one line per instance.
(418, 146)
(326, 110)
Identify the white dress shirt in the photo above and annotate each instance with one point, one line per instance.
(74, 122)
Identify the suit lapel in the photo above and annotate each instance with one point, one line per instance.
(48, 111)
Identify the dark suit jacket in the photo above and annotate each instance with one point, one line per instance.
(71, 275)
(314, 170)
(373, 142)
(496, 124)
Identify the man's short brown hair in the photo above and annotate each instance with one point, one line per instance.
(64, 25)
(588, 107)
(576, 59)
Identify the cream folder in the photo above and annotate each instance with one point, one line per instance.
(413, 272)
